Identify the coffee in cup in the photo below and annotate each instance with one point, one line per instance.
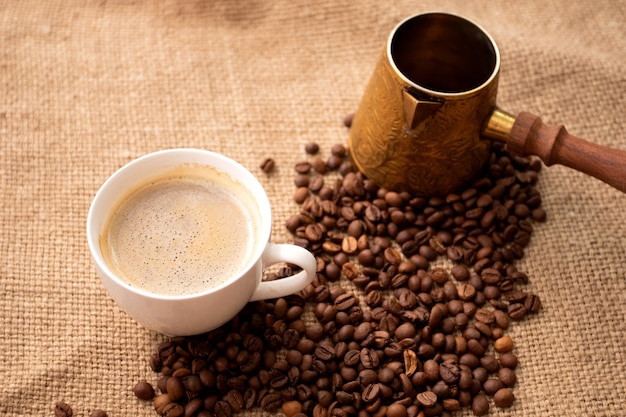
(180, 239)
(182, 232)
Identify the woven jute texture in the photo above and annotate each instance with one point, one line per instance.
(86, 86)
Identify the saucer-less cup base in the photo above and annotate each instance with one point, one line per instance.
(201, 312)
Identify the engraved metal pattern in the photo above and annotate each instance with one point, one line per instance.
(441, 154)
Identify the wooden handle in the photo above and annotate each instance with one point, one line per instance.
(530, 136)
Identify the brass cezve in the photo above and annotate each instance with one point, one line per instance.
(428, 114)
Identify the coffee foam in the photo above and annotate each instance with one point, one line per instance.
(179, 234)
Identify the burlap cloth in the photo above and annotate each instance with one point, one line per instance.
(86, 86)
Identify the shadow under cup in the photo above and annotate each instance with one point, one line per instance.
(195, 312)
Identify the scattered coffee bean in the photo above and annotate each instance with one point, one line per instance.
(318, 165)
(267, 165)
(347, 120)
(517, 311)
(311, 148)
(408, 339)
(301, 194)
(144, 391)
(62, 409)
(98, 413)
(338, 149)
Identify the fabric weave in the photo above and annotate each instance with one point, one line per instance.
(86, 86)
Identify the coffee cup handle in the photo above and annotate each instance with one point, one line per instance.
(275, 253)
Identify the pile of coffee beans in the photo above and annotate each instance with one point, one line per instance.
(407, 316)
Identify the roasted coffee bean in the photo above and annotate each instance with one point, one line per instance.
(62, 409)
(349, 245)
(318, 164)
(539, 215)
(466, 292)
(192, 384)
(174, 388)
(278, 383)
(369, 358)
(311, 148)
(503, 398)
(517, 311)
(352, 357)
(490, 363)
(460, 272)
(371, 392)
(249, 398)
(442, 390)
(503, 344)
(293, 223)
(143, 390)
(302, 167)
(516, 297)
(324, 397)
(345, 302)
(301, 180)
(492, 385)
(98, 413)
(223, 409)
(320, 411)
(431, 369)
(270, 402)
(480, 405)
(427, 398)
(507, 376)
(314, 232)
(267, 165)
(192, 407)
(485, 316)
(325, 351)
(173, 410)
(160, 401)
(423, 332)
(235, 399)
(449, 371)
(396, 410)
(501, 319)
(508, 360)
(347, 120)
(301, 194)
(315, 332)
(367, 377)
(291, 408)
(316, 183)
(532, 303)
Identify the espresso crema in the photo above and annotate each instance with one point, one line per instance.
(181, 233)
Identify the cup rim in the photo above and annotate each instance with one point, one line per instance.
(192, 155)
(437, 93)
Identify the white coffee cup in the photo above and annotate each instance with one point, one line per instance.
(201, 311)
